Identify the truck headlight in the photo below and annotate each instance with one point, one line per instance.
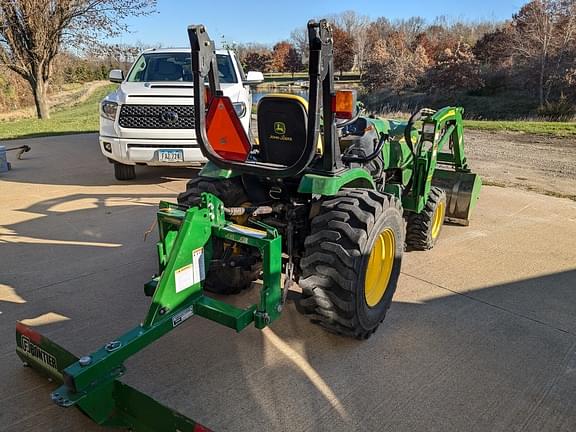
(240, 108)
(108, 109)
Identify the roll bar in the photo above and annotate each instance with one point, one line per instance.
(321, 91)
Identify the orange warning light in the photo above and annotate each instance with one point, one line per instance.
(344, 104)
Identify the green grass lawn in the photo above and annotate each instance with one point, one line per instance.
(73, 119)
(559, 129)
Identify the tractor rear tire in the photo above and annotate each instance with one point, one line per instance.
(423, 229)
(347, 286)
(221, 280)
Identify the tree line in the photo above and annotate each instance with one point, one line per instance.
(529, 58)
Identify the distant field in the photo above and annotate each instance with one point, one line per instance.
(74, 119)
(559, 129)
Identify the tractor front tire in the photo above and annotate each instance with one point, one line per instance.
(352, 262)
(221, 280)
(423, 229)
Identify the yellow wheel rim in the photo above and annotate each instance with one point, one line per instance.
(379, 267)
(438, 219)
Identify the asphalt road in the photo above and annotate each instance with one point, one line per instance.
(481, 335)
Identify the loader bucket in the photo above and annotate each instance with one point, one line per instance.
(462, 193)
(117, 405)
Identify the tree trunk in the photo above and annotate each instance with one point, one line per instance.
(541, 81)
(39, 90)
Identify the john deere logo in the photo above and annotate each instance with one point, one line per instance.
(279, 128)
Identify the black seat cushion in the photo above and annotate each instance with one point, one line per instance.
(282, 126)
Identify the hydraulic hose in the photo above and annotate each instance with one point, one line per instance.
(408, 131)
(368, 158)
(408, 137)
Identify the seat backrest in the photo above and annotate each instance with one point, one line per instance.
(282, 128)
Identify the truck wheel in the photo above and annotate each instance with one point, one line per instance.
(352, 262)
(124, 172)
(423, 229)
(222, 280)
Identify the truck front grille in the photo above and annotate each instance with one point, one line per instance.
(157, 116)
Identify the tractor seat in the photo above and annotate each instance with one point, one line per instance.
(282, 128)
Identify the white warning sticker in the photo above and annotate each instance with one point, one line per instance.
(191, 274)
(184, 278)
(198, 263)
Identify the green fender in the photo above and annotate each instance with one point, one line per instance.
(330, 186)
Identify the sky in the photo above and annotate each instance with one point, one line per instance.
(243, 21)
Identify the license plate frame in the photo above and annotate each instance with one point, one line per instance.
(171, 155)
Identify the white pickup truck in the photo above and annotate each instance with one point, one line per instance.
(149, 119)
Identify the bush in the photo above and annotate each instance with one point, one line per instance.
(560, 110)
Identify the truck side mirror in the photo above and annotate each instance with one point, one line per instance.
(254, 78)
(116, 76)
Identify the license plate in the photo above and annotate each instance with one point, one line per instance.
(171, 155)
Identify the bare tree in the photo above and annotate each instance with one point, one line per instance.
(356, 26)
(32, 33)
(393, 65)
(545, 31)
(456, 70)
(299, 38)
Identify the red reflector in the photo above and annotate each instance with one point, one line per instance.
(29, 333)
(199, 428)
(225, 132)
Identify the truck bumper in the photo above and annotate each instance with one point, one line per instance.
(146, 152)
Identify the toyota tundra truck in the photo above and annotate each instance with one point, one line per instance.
(149, 119)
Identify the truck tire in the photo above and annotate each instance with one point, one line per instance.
(124, 172)
(222, 280)
(423, 229)
(352, 261)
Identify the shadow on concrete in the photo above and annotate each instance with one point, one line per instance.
(508, 350)
(500, 357)
(77, 160)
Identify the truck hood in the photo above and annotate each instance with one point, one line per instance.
(161, 93)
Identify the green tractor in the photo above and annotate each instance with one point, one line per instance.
(327, 200)
(346, 192)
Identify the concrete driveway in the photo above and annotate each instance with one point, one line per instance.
(481, 336)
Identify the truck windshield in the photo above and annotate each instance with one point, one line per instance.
(175, 67)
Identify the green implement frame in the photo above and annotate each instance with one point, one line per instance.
(185, 245)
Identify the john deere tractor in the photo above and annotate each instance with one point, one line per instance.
(346, 191)
(321, 207)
